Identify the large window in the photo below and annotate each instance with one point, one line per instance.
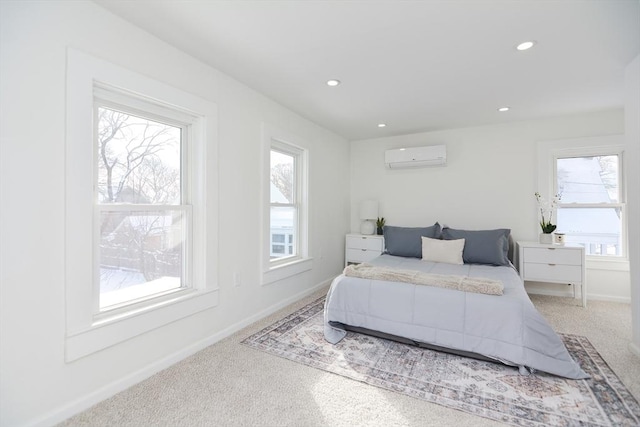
(142, 200)
(139, 158)
(591, 210)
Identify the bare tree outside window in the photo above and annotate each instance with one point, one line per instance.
(139, 164)
(282, 178)
(284, 208)
(138, 159)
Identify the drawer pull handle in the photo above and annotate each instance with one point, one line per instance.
(552, 265)
(552, 249)
(363, 250)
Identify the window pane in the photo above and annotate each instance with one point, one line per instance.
(282, 178)
(597, 229)
(283, 221)
(141, 254)
(277, 238)
(588, 179)
(138, 160)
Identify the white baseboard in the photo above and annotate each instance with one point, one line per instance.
(87, 401)
(635, 349)
(549, 292)
(598, 297)
(590, 297)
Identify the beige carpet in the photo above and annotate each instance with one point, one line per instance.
(229, 384)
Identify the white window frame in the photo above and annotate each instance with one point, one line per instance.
(589, 152)
(550, 151)
(87, 329)
(298, 158)
(113, 98)
(281, 268)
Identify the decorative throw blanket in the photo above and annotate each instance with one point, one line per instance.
(460, 283)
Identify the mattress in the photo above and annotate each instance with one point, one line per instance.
(505, 328)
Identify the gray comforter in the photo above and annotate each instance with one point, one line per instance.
(505, 328)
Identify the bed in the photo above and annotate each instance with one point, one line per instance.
(505, 328)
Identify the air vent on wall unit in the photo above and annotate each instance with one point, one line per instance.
(414, 157)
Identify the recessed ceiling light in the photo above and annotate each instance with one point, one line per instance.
(503, 109)
(526, 45)
(381, 125)
(333, 82)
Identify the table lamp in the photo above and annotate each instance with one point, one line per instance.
(368, 214)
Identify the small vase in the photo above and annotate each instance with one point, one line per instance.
(379, 231)
(546, 238)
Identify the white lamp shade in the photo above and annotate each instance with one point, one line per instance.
(369, 209)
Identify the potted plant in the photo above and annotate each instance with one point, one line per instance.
(379, 225)
(546, 214)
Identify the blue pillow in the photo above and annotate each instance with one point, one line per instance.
(482, 246)
(407, 241)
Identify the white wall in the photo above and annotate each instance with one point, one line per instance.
(489, 182)
(37, 386)
(632, 134)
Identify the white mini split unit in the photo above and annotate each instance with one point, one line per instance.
(416, 157)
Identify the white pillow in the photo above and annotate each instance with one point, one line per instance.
(448, 251)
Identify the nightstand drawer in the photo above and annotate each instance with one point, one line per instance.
(550, 272)
(362, 255)
(553, 256)
(358, 242)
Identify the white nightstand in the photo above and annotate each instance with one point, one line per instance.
(554, 264)
(362, 248)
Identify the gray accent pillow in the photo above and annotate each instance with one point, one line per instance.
(482, 246)
(407, 241)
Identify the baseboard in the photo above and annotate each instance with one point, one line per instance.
(590, 297)
(91, 399)
(549, 292)
(597, 297)
(635, 349)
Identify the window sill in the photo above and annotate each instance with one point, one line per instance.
(286, 270)
(109, 331)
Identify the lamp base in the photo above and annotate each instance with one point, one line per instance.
(367, 227)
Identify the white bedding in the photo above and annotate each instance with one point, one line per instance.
(506, 328)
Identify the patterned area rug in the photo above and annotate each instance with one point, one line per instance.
(486, 389)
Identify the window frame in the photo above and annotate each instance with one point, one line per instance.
(86, 330)
(273, 270)
(580, 152)
(297, 154)
(547, 150)
(110, 97)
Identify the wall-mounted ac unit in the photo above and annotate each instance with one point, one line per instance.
(414, 157)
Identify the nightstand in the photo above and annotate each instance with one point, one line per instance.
(554, 264)
(362, 248)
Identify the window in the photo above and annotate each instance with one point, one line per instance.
(142, 200)
(285, 196)
(285, 217)
(139, 158)
(591, 210)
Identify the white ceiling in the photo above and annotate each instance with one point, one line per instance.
(415, 65)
